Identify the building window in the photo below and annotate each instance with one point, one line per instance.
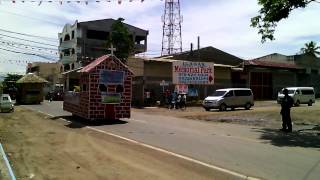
(73, 51)
(67, 37)
(61, 55)
(67, 67)
(66, 52)
(60, 40)
(98, 35)
(72, 34)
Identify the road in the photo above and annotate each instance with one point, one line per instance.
(252, 151)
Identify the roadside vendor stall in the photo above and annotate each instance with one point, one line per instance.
(30, 89)
(105, 91)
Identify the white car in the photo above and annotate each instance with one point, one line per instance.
(300, 95)
(229, 98)
(6, 104)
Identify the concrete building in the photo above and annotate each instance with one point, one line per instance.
(85, 41)
(48, 71)
(267, 75)
(149, 73)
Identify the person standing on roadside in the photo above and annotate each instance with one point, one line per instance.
(286, 104)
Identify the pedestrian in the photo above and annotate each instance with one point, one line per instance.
(178, 102)
(286, 104)
(173, 100)
(183, 101)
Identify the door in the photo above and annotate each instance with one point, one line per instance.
(110, 113)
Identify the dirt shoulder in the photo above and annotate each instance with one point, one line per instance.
(40, 147)
(263, 114)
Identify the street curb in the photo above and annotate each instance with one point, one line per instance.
(4, 156)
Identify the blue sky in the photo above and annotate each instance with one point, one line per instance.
(224, 24)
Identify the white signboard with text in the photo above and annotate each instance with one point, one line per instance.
(184, 72)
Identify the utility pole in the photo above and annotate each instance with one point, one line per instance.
(172, 19)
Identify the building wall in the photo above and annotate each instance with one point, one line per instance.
(151, 73)
(49, 71)
(79, 49)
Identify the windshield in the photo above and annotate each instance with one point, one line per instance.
(219, 93)
(289, 92)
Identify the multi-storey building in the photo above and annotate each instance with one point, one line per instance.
(82, 42)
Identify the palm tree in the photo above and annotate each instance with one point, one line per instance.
(311, 49)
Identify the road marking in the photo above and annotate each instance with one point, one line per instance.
(176, 155)
(141, 121)
(7, 163)
(236, 174)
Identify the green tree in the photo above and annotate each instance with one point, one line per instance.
(311, 49)
(121, 40)
(9, 82)
(272, 12)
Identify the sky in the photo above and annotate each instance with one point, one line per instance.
(223, 24)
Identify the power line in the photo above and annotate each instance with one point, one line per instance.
(32, 54)
(29, 47)
(28, 40)
(42, 37)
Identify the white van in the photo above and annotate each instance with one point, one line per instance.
(6, 104)
(229, 98)
(300, 95)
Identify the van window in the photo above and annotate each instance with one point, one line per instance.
(307, 92)
(5, 98)
(242, 93)
(229, 94)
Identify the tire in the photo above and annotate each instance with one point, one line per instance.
(297, 103)
(207, 109)
(247, 106)
(223, 107)
(310, 103)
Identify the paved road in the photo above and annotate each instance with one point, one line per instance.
(252, 151)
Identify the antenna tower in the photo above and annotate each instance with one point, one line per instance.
(172, 19)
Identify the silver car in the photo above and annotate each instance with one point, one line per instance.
(229, 98)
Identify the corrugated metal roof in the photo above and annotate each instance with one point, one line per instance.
(271, 64)
(99, 60)
(93, 64)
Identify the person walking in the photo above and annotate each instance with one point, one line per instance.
(286, 104)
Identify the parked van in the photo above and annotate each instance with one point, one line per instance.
(229, 98)
(6, 104)
(300, 95)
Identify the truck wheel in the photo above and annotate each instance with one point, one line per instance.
(247, 106)
(223, 107)
(207, 109)
(297, 103)
(310, 103)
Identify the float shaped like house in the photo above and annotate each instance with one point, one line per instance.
(105, 90)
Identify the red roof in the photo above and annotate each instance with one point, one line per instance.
(271, 64)
(94, 63)
(99, 60)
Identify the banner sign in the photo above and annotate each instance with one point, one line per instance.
(184, 72)
(193, 92)
(111, 77)
(110, 98)
(181, 89)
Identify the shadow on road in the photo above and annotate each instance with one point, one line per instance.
(78, 122)
(307, 138)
